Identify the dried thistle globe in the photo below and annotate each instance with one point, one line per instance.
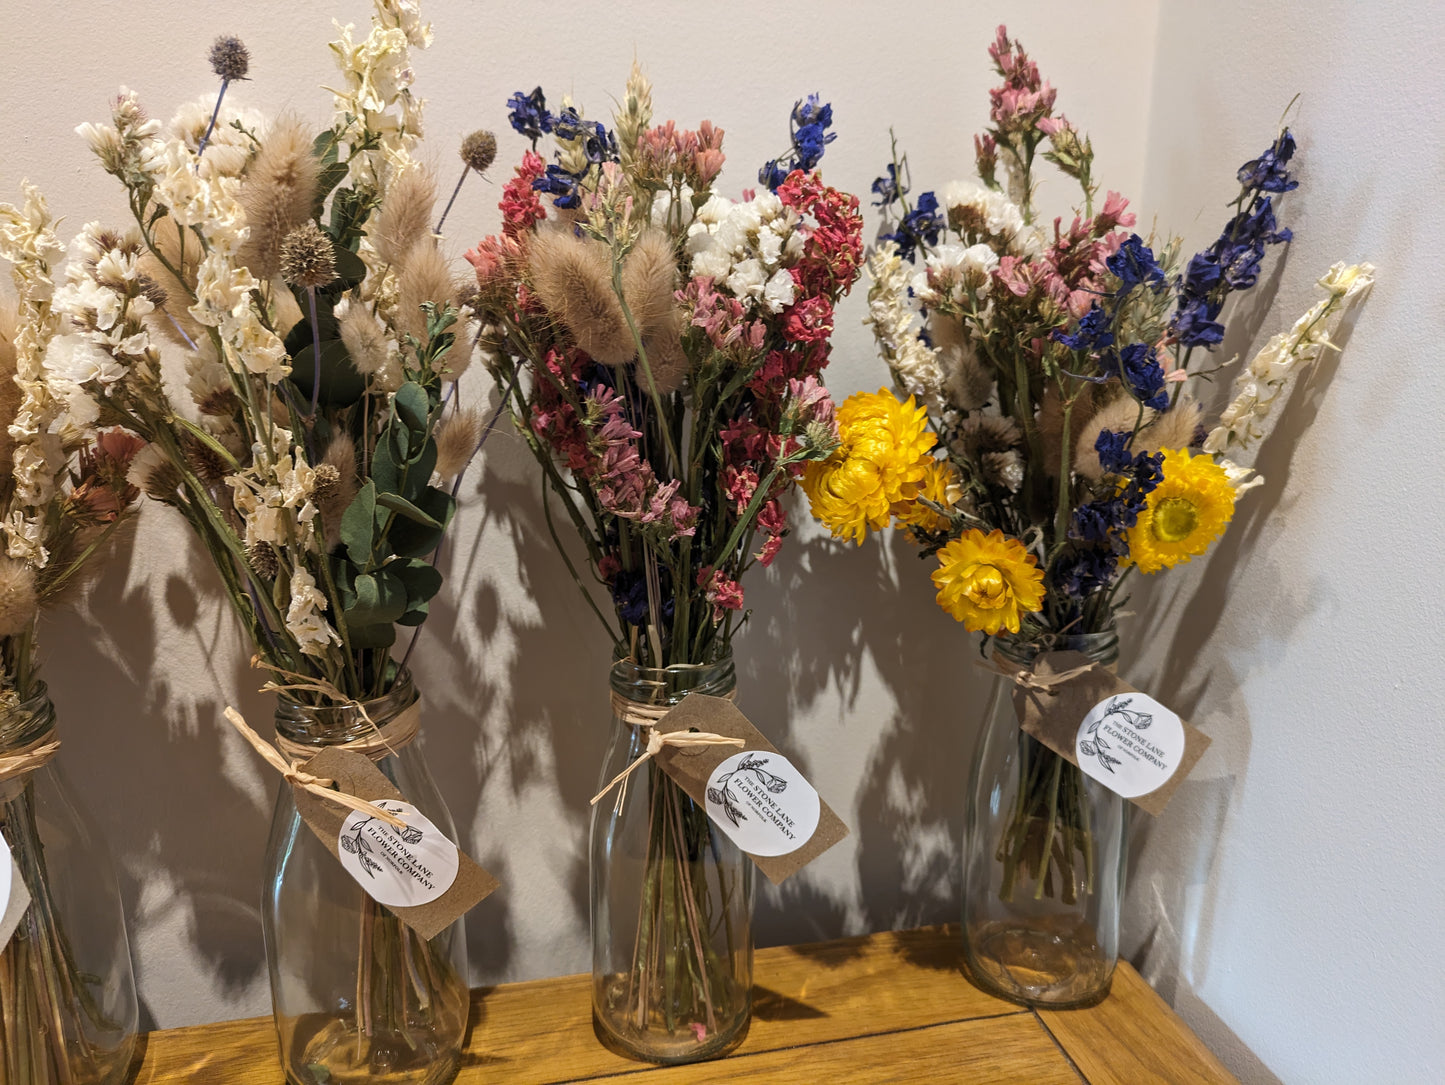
(479, 150)
(307, 258)
(230, 59)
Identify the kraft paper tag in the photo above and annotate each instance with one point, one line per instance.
(754, 795)
(423, 878)
(12, 892)
(1114, 733)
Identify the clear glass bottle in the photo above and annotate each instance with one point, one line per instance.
(1043, 861)
(68, 1009)
(357, 995)
(672, 896)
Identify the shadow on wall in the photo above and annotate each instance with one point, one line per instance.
(1172, 888)
(150, 766)
(832, 610)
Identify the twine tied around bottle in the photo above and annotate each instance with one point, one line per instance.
(1028, 678)
(293, 774)
(287, 756)
(656, 740)
(25, 761)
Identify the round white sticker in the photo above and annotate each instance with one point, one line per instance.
(6, 867)
(763, 803)
(1130, 743)
(400, 868)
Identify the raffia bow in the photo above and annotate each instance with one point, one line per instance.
(656, 740)
(293, 774)
(1027, 678)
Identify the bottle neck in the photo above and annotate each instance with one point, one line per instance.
(339, 725)
(24, 723)
(666, 686)
(1101, 648)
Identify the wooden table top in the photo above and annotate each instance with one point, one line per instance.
(889, 1007)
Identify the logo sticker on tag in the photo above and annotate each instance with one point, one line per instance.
(1130, 743)
(763, 803)
(400, 868)
(14, 897)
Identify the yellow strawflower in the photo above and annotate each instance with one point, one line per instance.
(941, 487)
(1186, 512)
(987, 581)
(881, 461)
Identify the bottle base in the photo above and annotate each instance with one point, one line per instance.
(337, 1053)
(1049, 963)
(683, 1043)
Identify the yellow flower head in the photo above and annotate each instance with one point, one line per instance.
(987, 581)
(1186, 512)
(881, 461)
(939, 486)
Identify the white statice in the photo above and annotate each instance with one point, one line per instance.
(994, 213)
(1260, 384)
(194, 197)
(28, 242)
(952, 268)
(230, 147)
(103, 299)
(663, 207)
(24, 539)
(274, 495)
(304, 620)
(376, 96)
(892, 317)
(746, 249)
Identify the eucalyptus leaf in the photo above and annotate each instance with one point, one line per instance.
(341, 384)
(402, 507)
(358, 525)
(410, 539)
(413, 407)
(380, 598)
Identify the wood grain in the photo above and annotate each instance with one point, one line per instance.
(542, 1031)
(885, 1007)
(1010, 1050)
(1134, 1037)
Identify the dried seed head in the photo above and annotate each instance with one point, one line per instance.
(18, 603)
(572, 277)
(262, 560)
(404, 217)
(204, 460)
(154, 475)
(333, 497)
(425, 276)
(456, 438)
(479, 150)
(278, 191)
(327, 479)
(364, 338)
(307, 258)
(230, 59)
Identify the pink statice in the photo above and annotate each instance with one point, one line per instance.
(740, 484)
(721, 592)
(773, 520)
(812, 403)
(667, 151)
(809, 320)
(721, 316)
(1024, 98)
(521, 207)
